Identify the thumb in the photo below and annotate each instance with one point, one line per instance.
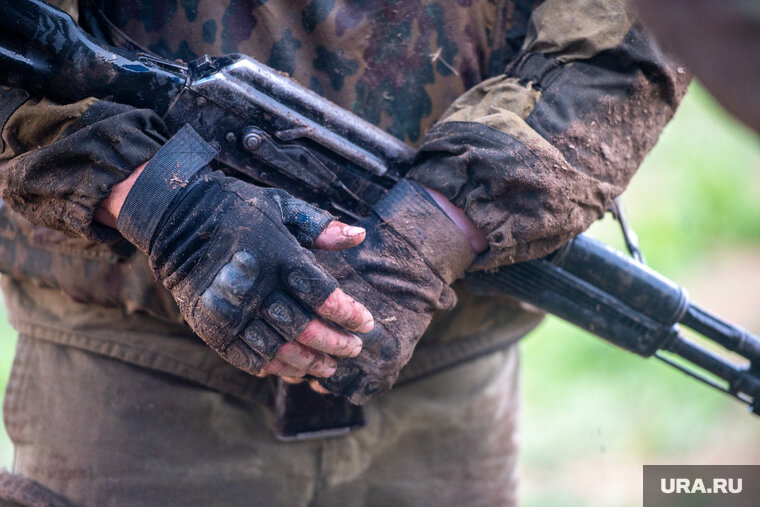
(339, 236)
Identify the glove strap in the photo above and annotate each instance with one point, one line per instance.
(164, 178)
(429, 230)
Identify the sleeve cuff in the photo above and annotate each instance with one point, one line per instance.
(164, 178)
(427, 229)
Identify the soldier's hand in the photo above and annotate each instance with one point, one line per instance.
(302, 357)
(232, 254)
(475, 237)
(401, 273)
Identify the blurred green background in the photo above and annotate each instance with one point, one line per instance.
(592, 414)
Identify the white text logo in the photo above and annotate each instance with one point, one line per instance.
(681, 485)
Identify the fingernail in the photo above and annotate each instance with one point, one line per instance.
(352, 232)
(330, 371)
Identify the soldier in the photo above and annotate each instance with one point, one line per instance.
(530, 118)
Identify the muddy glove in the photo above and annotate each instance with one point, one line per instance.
(401, 273)
(230, 252)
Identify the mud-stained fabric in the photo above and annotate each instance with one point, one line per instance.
(536, 155)
(60, 162)
(578, 29)
(493, 102)
(39, 122)
(448, 440)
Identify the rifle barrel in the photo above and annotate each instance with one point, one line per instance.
(741, 380)
(727, 335)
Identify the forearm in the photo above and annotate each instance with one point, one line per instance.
(534, 156)
(107, 212)
(475, 236)
(61, 161)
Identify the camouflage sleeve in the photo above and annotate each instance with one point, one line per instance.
(59, 161)
(535, 155)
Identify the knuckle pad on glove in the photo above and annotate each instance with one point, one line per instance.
(221, 310)
(309, 284)
(362, 386)
(242, 357)
(341, 382)
(230, 285)
(263, 339)
(378, 365)
(237, 277)
(285, 315)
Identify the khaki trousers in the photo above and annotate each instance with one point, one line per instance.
(104, 432)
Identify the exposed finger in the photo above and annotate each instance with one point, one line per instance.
(339, 236)
(281, 368)
(344, 310)
(293, 380)
(312, 362)
(320, 336)
(314, 384)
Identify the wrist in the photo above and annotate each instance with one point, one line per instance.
(408, 212)
(170, 174)
(107, 212)
(475, 236)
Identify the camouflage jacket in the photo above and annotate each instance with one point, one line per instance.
(530, 115)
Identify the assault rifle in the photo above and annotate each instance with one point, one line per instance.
(272, 131)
